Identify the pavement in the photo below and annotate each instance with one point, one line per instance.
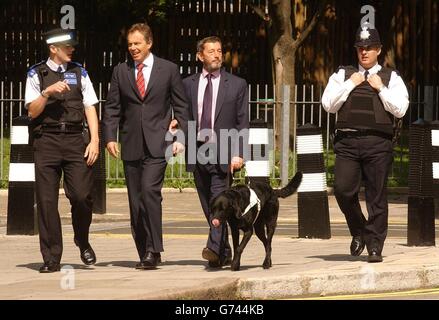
(301, 267)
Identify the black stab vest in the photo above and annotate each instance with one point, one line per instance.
(363, 109)
(68, 107)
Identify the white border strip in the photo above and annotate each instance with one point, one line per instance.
(258, 136)
(435, 138)
(435, 170)
(257, 168)
(313, 182)
(19, 135)
(309, 144)
(21, 172)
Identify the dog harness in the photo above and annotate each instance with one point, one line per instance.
(254, 200)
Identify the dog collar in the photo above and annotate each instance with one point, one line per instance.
(254, 200)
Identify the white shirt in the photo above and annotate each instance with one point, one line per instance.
(202, 84)
(394, 97)
(148, 62)
(33, 91)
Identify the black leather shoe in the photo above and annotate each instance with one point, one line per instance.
(357, 245)
(88, 256)
(151, 260)
(50, 267)
(374, 256)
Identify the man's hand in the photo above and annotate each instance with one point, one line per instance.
(357, 78)
(113, 149)
(375, 82)
(236, 163)
(58, 87)
(92, 152)
(177, 147)
(173, 126)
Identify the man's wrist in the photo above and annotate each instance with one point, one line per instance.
(44, 94)
(381, 88)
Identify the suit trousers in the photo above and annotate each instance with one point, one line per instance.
(210, 181)
(144, 180)
(54, 154)
(368, 159)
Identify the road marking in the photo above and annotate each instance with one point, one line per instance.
(430, 291)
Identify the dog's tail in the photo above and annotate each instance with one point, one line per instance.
(291, 187)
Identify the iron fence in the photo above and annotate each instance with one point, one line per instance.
(263, 104)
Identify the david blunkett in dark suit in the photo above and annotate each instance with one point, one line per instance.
(142, 95)
(218, 101)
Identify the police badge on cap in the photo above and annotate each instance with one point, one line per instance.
(367, 36)
(60, 36)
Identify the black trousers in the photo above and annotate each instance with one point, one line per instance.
(54, 154)
(368, 159)
(144, 180)
(210, 181)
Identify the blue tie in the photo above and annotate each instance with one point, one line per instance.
(206, 115)
(59, 70)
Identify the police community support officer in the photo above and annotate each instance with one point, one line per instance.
(58, 94)
(366, 99)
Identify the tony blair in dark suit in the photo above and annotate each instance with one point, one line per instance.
(142, 95)
(218, 102)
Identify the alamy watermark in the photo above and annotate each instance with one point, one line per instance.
(206, 147)
(67, 281)
(68, 20)
(369, 18)
(368, 278)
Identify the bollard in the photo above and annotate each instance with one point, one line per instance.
(435, 164)
(258, 168)
(421, 223)
(312, 195)
(99, 179)
(22, 209)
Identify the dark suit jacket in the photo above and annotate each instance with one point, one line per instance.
(231, 110)
(146, 119)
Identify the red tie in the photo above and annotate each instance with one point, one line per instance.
(140, 80)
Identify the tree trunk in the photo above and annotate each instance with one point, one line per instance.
(282, 35)
(284, 55)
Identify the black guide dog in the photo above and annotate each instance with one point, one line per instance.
(251, 207)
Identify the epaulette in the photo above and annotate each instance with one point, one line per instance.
(83, 71)
(31, 71)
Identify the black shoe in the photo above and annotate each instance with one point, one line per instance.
(357, 245)
(50, 267)
(88, 256)
(151, 260)
(374, 256)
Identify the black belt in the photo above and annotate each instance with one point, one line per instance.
(362, 133)
(63, 127)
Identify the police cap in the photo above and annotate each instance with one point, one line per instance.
(60, 36)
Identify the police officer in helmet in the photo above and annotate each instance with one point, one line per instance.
(367, 97)
(60, 98)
